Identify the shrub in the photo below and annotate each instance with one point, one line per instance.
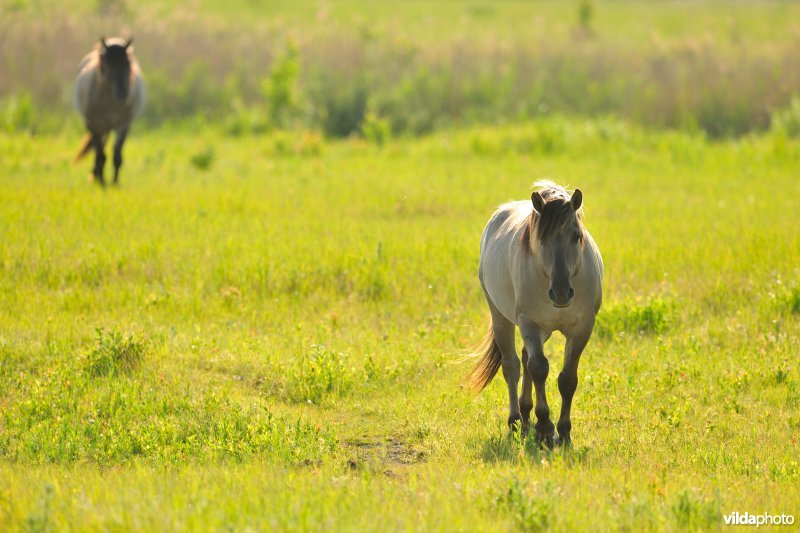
(16, 113)
(281, 90)
(787, 120)
(343, 111)
(376, 129)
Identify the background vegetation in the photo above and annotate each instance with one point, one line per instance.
(346, 67)
(264, 326)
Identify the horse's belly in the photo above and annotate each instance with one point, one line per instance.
(499, 287)
(502, 298)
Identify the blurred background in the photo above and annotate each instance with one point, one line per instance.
(389, 68)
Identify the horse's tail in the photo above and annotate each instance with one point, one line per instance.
(488, 363)
(87, 144)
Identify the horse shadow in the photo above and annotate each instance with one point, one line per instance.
(512, 447)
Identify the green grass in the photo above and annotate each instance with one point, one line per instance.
(272, 339)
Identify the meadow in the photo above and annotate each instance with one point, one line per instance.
(268, 331)
(265, 327)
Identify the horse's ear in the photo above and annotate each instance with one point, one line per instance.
(538, 202)
(103, 42)
(577, 200)
(128, 43)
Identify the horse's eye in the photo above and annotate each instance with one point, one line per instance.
(576, 237)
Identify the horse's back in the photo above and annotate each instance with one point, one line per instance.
(507, 219)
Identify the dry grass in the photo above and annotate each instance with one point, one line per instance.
(459, 64)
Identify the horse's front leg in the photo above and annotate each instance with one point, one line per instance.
(526, 396)
(568, 382)
(99, 142)
(118, 142)
(539, 368)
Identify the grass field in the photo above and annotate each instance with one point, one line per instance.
(266, 331)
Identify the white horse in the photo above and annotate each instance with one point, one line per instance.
(109, 94)
(540, 271)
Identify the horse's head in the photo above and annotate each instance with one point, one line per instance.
(115, 66)
(559, 236)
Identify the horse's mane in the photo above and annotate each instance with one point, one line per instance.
(556, 215)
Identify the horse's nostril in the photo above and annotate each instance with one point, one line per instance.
(571, 293)
(551, 294)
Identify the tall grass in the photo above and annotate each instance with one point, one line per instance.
(326, 67)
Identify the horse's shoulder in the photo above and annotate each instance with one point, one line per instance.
(88, 62)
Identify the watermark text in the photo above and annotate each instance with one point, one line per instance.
(764, 519)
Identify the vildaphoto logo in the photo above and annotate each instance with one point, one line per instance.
(764, 519)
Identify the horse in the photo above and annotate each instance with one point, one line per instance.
(109, 94)
(540, 271)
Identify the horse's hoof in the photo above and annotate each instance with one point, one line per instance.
(513, 422)
(564, 441)
(545, 439)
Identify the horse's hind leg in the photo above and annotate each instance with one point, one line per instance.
(504, 338)
(118, 142)
(99, 142)
(568, 383)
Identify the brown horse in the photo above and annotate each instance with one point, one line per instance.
(109, 94)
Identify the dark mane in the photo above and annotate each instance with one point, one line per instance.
(556, 216)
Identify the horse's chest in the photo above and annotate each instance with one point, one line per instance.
(106, 114)
(551, 318)
(537, 308)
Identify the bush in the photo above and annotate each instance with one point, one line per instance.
(376, 129)
(787, 120)
(16, 113)
(281, 90)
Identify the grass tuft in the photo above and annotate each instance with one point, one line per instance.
(529, 511)
(793, 301)
(319, 375)
(114, 354)
(695, 513)
(203, 160)
(653, 317)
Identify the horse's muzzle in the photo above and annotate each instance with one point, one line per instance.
(561, 298)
